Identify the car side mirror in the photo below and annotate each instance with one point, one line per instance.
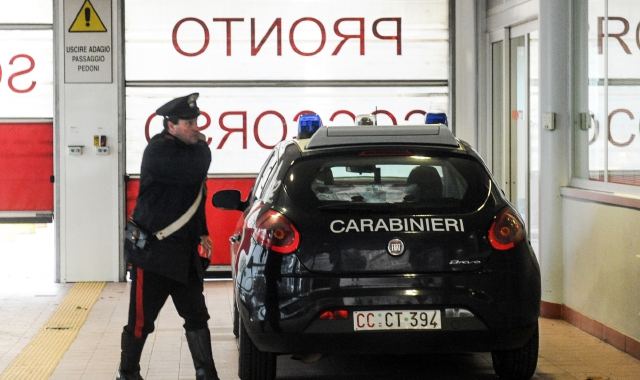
(228, 200)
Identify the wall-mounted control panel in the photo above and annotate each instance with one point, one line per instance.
(75, 150)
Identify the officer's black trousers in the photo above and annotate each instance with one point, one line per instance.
(149, 291)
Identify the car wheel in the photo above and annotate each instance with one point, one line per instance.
(519, 363)
(254, 364)
(236, 317)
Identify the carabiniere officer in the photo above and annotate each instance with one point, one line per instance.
(174, 166)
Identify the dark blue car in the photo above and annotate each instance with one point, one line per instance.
(380, 239)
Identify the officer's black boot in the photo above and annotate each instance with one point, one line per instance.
(200, 347)
(130, 357)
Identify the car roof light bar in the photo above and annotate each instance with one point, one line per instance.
(436, 118)
(366, 119)
(438, 135)
(308, 124)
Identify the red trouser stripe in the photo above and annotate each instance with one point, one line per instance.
(139, 305)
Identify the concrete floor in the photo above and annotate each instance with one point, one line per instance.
(28, 298)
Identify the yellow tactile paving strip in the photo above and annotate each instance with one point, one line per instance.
(40, 357)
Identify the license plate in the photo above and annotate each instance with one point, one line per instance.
(396, 320)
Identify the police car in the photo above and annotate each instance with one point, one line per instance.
(380, 239)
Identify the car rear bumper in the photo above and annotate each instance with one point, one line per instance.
(391, 342)
(281, 312)
(494, 321)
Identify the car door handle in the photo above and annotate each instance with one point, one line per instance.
(235, 238)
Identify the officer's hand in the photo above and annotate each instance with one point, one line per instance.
(207, 244)
(201, 136)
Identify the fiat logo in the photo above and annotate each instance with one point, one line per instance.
(395, 247)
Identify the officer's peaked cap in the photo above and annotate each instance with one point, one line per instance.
(181, 108)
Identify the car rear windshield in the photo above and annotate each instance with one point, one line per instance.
(455, 184)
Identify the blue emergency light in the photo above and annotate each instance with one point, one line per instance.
(436, 118)
(308, 124)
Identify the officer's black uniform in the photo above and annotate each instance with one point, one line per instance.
(171, 176)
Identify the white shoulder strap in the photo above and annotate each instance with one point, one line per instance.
(175, 226)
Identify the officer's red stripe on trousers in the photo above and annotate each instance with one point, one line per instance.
(139, 310)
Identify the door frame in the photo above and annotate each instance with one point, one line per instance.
(507, 177)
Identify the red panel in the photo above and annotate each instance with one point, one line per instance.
(26, 166)
(221, 224)
(132, 186)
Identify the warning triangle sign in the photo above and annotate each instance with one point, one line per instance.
(87, 20)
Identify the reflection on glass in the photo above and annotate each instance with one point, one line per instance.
(519, 126)
(613, 92)
(28, 12)
(497, 111)
(534, 141)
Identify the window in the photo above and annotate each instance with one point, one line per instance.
(451, 183)
(265, 173)
(607, 147)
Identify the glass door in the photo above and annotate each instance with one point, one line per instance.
(515, 126)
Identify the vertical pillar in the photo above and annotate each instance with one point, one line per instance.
(555, 145)
(87, 104)
(465, 73)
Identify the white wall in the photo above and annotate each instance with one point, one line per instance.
(602, 263)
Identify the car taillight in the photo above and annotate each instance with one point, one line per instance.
(507, 230)
(334, 314)
(275, 232)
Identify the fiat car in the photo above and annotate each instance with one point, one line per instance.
(380, 239)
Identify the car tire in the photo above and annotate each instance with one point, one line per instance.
(236, 318)
(254, 364)
(519, 363)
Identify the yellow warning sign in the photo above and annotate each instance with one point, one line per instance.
(87, 20)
